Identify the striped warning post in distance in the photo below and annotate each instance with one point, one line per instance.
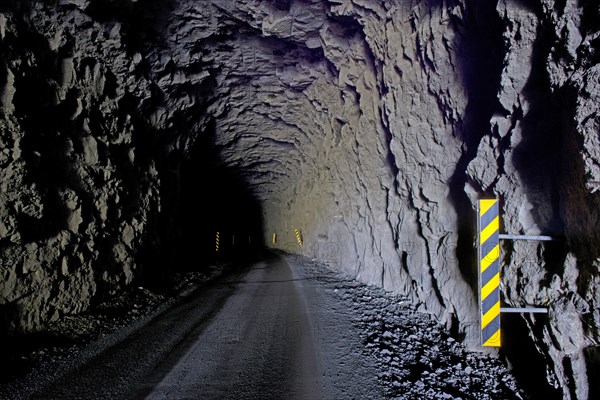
(489, 272)
(298, 237)
(217, 242)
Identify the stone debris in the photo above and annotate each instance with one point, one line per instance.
(30, 358)
(416, 356)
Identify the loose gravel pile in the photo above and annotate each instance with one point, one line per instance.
(30, 361)
(416, 356)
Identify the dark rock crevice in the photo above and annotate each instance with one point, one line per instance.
(480, 62)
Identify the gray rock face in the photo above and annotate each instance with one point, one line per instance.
(74, 206)
(540, 152)
(371, 127)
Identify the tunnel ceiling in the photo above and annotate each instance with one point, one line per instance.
(370, 127)
(270, 86)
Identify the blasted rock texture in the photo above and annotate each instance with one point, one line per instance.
(370, 127)
(540, 156)
(76, 197)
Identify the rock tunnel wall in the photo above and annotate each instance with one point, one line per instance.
(79, 180)
(372, 127)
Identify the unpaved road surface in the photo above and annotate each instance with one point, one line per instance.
(282, 328)
(266, 333)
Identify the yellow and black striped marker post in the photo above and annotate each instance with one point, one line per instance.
(298, 237)
(274, 238)
(489, 272)
(217, 243)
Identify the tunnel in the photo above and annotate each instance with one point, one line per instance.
(142, 140)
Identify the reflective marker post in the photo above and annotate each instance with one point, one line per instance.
(298, 237)
(488, 224)
(489, 272)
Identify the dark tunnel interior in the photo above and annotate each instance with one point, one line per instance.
(210, 213)
(142, 142)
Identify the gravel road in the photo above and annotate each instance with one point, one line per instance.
(285, 327)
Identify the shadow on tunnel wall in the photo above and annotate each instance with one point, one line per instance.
(536, 161)
(481, 51)
(551, 170)
(480, 54)
(203, 196)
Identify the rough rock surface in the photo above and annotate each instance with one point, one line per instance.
(74, 339)
(416, 357)
(371, 127)
(77, 205)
